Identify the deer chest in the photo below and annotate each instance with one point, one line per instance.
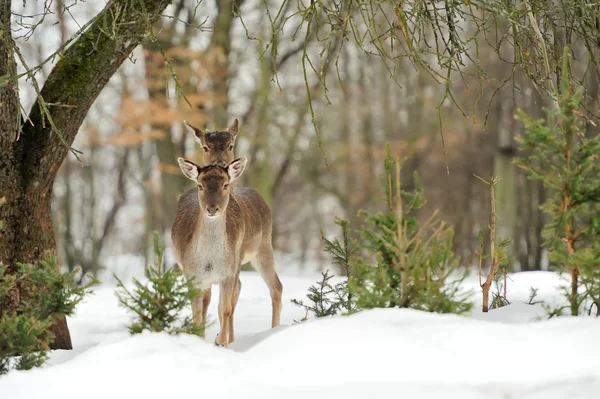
(211, 261)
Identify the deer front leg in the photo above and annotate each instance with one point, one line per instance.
(197, 312)
(205, 302)
(227, 290)
(236, 295)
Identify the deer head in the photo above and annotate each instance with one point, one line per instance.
(213, 183)
(217, 146)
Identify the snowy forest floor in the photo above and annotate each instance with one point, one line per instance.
(512, 352)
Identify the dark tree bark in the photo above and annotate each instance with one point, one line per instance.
(168, 148)
(30, 160)
(221, 42)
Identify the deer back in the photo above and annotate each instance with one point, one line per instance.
(248, 221)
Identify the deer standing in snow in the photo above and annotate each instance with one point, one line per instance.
(216, 230)
(217, 149)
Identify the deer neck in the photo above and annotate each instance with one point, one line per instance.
(214, 228)
(211, 243)
(215, 223)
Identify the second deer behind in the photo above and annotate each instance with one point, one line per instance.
(217, 146)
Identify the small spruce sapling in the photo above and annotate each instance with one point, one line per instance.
(588, 260)
(342, 254)
(408, 264)
(533, 293)
(157, 306)
(499, 294)
(567, 163)
(326, 299)
(405, 265)
(25, 339)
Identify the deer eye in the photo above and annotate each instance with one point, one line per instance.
(200, 187)
(226, 186)
(230, 148)
(205, 149)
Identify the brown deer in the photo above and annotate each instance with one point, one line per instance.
(217, 146)
(218, 149)
(216, 230)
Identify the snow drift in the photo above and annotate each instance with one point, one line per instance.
(383, 352)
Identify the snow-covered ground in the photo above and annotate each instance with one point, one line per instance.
(380, 353)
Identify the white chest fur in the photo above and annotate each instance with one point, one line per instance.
(210, 263)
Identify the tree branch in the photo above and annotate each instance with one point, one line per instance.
(75, 83)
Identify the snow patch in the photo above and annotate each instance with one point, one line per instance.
(377, 353)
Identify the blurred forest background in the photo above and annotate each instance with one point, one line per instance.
(222, 57)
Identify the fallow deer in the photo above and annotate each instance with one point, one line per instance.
(218, 149)
(217, 146)
(216, 230)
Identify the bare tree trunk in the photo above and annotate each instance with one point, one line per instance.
(149, 205)
(465, 242)
(221, 44)
(506, 190)
(528, 235)
(67, 211)
(99, 239)
(592, 98)
(65, 201)
(538, 226)
(493, 251)
(261, 179)
(167, 147)
(30, 161)
(522, 234)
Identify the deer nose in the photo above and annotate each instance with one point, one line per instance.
(212, 211)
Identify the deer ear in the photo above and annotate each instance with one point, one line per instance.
(236, 168)
(198, 133)
(233, 129)
(189, 169)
